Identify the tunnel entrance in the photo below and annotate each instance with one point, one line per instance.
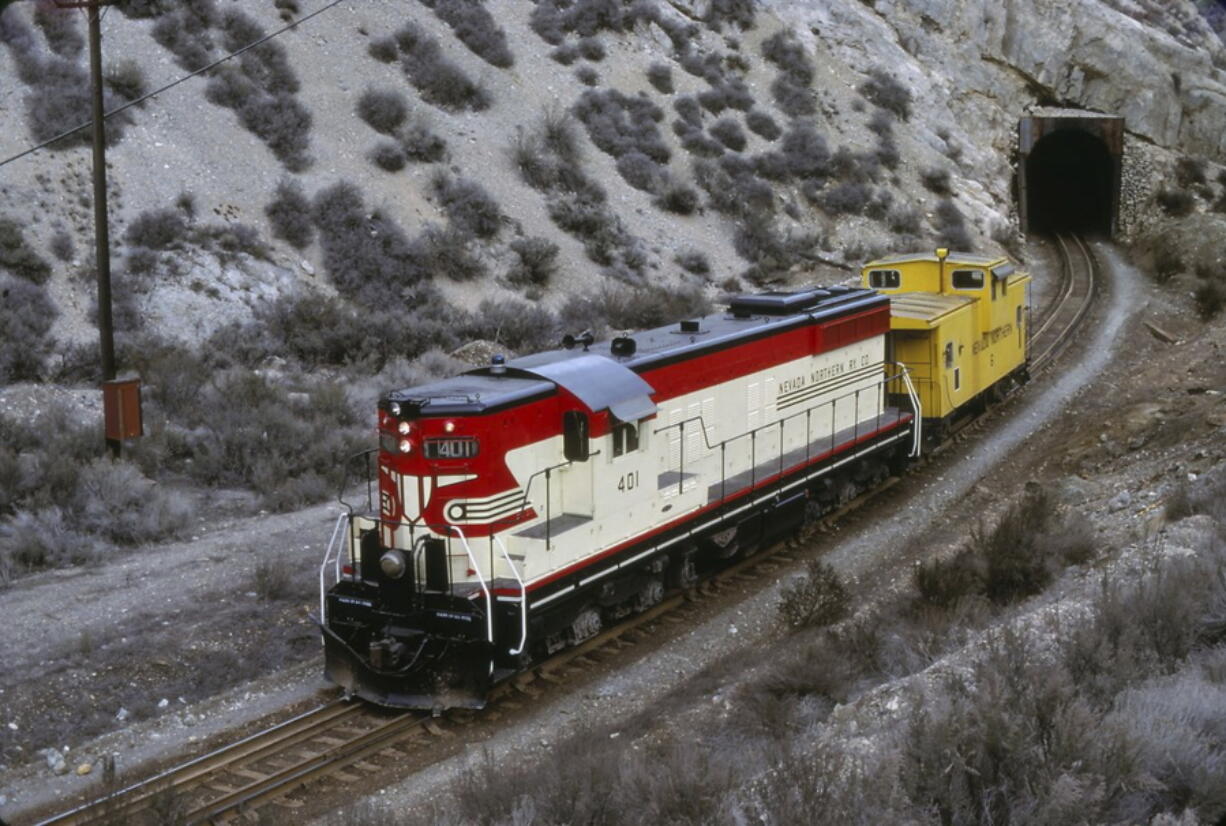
(1069, 173)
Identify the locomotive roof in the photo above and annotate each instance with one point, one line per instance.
(603, 378)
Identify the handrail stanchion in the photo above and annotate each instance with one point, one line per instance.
(523, 598)
(917, 442)
(323, 567)
(489, 600)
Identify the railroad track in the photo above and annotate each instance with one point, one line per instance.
(1079, 284)
(339, 737)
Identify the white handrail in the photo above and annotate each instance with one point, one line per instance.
(523, 599)
(489, 601)
(323, 566)
(917, 442)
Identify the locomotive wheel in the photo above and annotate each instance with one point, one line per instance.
(585, 626)
(651, 595)
(684, 574)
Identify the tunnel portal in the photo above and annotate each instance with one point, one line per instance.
(1069, 173)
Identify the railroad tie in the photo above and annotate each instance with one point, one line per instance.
(435, 729)
(527, 689)
(250, 774)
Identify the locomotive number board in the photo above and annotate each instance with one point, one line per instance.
(451, 448)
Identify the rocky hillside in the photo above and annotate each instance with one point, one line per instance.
(437, 154)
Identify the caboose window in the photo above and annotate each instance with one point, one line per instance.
(625, 438)
(884, 279)
(968, 279)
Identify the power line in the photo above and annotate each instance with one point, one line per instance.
(31, 150)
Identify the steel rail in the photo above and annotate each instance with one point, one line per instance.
(1062, 297)
(139, 795)
(1082, 281)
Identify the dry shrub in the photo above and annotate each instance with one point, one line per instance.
(383, 109)
(388, 156)
(156, 229)
(936, 181)
(26, 315)
(1210, 297)
(468, 205)
(885, 91)
(641, 172)
(815, 600)
(762, 125)
(951, 226)
(1207, 495)
(270, 579)
(439, 80)
(518, 325)
(679, 198)
(18, 257)
(383, 49)
(474, 26)
(728, 132)
(792, 88)
(127, 79)
(587, 76)
(632, 308)
(289, 212)
(368, 257)
(421, 143)
(537, 262)
(592, 48)
(944, 582)
(1176, 202)
(34, 540)
(114, 501)
(660, 75)
(586, 779)
(619, 124)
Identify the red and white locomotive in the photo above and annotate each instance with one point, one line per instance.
(525, 505)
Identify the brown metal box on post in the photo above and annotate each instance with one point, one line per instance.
(121, 409)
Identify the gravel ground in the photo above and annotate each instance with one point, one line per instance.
(95, 650)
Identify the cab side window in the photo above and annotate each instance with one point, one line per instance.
(625, 438)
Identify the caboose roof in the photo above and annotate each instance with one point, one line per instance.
(966, 259)
(601, 377)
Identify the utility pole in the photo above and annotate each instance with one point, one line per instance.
(102, 235)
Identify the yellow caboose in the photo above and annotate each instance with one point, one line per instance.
(959, 323)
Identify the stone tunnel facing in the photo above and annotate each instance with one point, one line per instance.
(1070, 175)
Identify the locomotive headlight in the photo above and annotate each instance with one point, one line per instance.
(392, 564)
(406, 446)
(449, 427)
(404, 428)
